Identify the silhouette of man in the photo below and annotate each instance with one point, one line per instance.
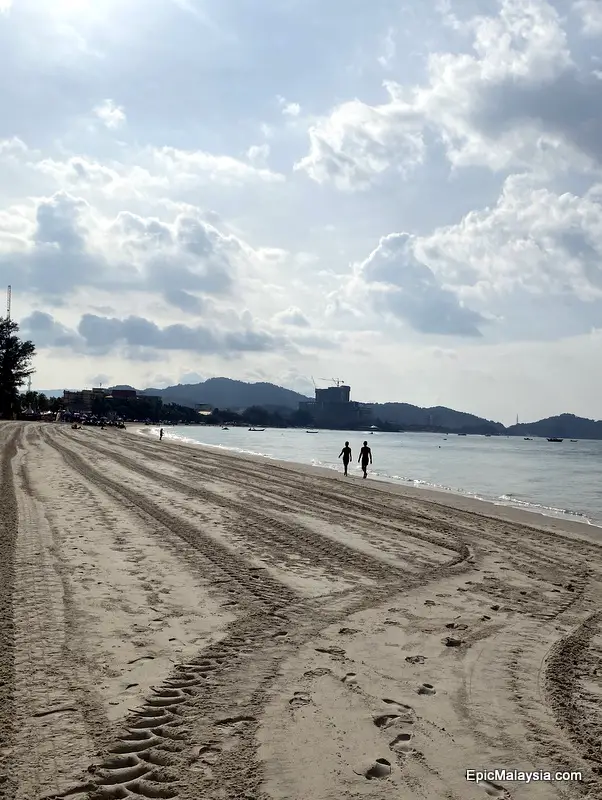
(346, 453)
(161, 434)
(365, 457)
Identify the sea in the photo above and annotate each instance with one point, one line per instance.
(558, 479)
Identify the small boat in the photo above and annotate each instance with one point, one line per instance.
(528, 439)
(311, 431)
(573, 440)
(555, 439)
(257, 429)
(461, 434)
(225, 428)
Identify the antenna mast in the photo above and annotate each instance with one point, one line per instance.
(9, 293)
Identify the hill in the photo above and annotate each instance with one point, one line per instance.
(228, 393)
(564, 426)
(225, 393)
(434, 418)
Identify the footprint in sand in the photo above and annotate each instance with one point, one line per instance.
(426, 688)
(401, 743)
(350, 678)
(338, 652)
(398, 713)
(348, 631)
(380, 769)
(415, 659)
(451, 642)
(317, 673)
(456, 626)
(204, 758)
(299, 699)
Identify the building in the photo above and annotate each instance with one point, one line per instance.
(124, 394)
(81, 401)
(333, 408)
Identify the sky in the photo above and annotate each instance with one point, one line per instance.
(404, 196)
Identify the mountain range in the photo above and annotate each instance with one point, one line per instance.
(226, 393)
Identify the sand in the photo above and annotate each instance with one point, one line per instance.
(180, 622)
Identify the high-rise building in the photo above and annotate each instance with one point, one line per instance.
(332, 407)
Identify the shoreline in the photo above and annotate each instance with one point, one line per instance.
(263, 616)
(534, 518)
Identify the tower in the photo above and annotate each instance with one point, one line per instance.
(9, 293)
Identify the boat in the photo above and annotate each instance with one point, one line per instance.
(555, 439)
(528, 439)
(311, 431)
(573, 440)
(257, 429)
(224, 428)
(461, 434)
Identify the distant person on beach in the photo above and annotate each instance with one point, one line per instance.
(346, 453)
(160, 434)
(365, 457)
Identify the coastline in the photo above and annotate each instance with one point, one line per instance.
(535, 518)
(190, 623)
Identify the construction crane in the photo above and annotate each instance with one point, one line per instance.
(337, 381)
(9, 293)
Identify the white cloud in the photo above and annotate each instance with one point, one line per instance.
(292, 316)
(258, 153)
(111, 115)
(437, 237)
(590, 12)
(357, 143)
(389, 50)
(534, 240)
(5, 6)
(289, 109)
(465, 103)
(399, 285)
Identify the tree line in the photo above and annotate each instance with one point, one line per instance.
(15, 368)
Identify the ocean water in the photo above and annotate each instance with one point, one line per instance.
(556, 479)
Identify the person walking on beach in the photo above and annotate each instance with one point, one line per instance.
(161, 434)
(365, 457)
(346, 453)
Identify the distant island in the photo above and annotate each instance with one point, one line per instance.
(224, 400)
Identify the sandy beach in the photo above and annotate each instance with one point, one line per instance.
(178, 622)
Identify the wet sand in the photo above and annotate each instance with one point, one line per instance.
(180, 622)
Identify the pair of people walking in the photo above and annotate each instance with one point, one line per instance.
(365, 457)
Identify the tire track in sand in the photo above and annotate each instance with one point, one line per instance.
(468, 522)
(307, 495)
(284, 535)
(56, 721)
(566, 666)
(195, 737)
(8, 538)
(156, 749)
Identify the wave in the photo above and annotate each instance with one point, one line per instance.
(508, 499)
